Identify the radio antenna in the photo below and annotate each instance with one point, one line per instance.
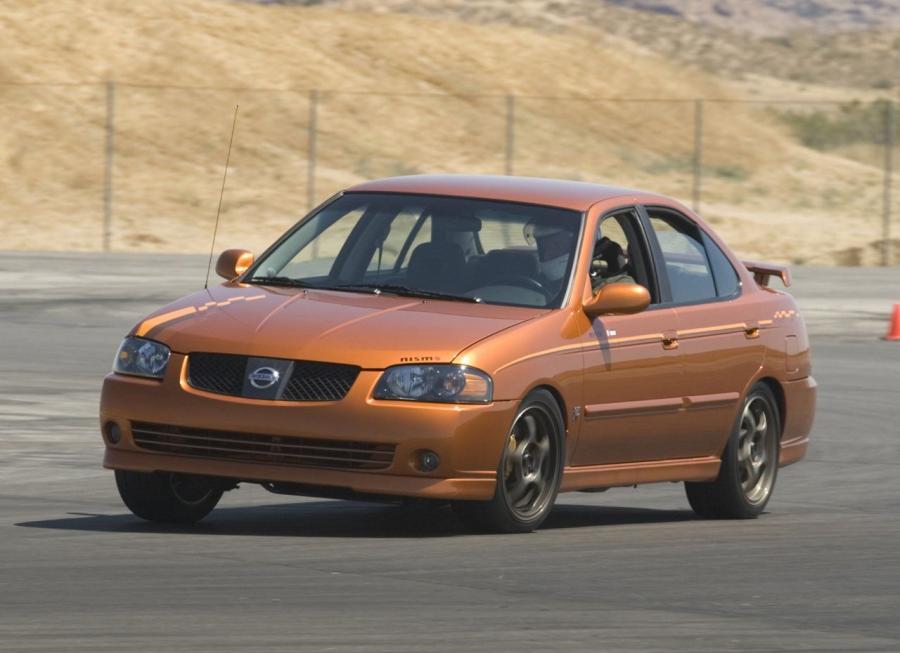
(212, 247)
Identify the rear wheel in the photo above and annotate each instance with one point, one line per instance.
(749, 464)
(529, 473)
(168, 497)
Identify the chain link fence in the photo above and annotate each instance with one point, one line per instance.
(127, 167)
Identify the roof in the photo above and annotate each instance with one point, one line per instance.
(575, 195)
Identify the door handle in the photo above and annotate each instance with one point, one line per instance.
(751, 330)
(670, 341)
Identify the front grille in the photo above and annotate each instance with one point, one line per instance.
(319, 381)
(219, 373)
(258, 448)
(309, 381)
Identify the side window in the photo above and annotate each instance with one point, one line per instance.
(620, 254)
(684, 257)
(423, 235)
(400, 230)
(727, 281)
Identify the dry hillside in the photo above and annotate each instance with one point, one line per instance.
(844, 43)
(182, 66)
(774, 17)
(756, 17)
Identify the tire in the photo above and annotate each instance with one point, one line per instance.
(749, 464)
(168, 497)
(529, 472)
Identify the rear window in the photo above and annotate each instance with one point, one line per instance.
(687, 267)
(728, 283)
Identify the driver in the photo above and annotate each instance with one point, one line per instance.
(609, 264)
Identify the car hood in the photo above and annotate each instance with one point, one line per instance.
(372, 331)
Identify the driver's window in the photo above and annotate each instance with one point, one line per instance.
(619, 253)
(401, 229)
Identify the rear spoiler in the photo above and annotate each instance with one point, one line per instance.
(762, 272)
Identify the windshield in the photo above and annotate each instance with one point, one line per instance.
(447, 248)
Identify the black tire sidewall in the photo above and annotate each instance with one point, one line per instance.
(151, 497)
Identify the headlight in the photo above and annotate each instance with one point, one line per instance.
(454, 384)
(140, 357)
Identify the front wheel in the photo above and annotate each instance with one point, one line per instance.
(529, 473)
(168, 497)
(749, 463)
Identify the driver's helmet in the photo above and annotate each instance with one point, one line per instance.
(611, 255)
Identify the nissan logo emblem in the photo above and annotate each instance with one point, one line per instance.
(264, 377)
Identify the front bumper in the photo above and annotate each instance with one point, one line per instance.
(468, 438)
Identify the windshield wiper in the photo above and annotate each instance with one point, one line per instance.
(364, 287)
(280, 281)
(404, 291)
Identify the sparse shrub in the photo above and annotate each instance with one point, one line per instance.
(730, 172)
(371, 167)
(667, 164)
(852, 123)
(782, 41)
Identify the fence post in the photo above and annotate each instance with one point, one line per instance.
(698, 154)
(510, 132)
(889, 141)
(312, 128)
(110, 153)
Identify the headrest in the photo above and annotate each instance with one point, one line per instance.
(534, 230)
(436, 266)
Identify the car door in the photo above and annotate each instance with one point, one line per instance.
(718, 341)
(633, 374)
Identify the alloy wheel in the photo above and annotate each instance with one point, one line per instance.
(531, 464)
(757, 450)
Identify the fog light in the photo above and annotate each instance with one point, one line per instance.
(428, 461)
(112, 432)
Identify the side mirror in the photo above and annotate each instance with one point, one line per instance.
(233, 263)
(617, 299)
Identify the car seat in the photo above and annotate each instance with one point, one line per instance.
(436, 266)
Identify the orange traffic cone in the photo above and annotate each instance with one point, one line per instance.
(894, 330)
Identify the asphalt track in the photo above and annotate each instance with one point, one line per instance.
(626, 570)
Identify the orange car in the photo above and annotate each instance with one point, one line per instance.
(490, 341)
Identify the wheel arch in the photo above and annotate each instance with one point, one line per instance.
(560, 401)
(775, 386)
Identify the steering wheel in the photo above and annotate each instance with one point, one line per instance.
(521, 281)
